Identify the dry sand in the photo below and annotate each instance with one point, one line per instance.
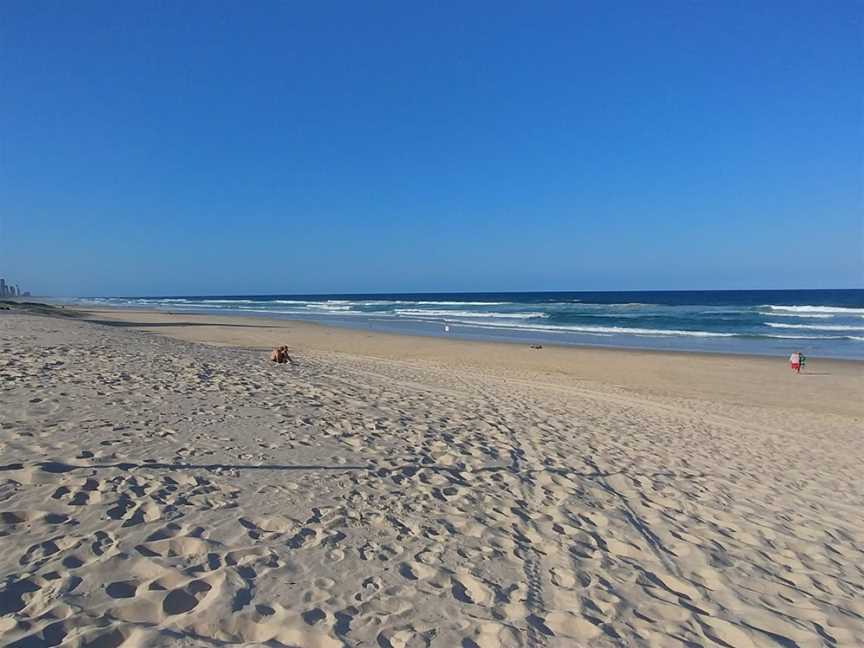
(398, 491)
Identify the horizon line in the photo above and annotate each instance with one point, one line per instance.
(446, 292)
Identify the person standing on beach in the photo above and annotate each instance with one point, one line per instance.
(795, 361)
(802, 360)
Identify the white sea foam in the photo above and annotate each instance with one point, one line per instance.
(839, 310)
(816, 327)
(807, 315)
(810, 337)
(330, 306)
(422, 312)
(412, 302)
(457, 303)
(610, 330)
(624, 305)
(303, 314)
(271, 311)
(188, 305)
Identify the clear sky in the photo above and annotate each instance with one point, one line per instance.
(224, 147)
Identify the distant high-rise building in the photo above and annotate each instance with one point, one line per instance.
(9, 289)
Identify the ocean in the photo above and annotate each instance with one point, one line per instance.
(821, 323)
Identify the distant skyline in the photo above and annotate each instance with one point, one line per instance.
(211, 148)
(11, 289)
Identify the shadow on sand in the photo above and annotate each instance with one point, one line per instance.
(123, 324)
(406, 470)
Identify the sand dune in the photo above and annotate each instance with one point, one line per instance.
(156, 491)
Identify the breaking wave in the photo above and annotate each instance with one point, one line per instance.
(816, 327)
(421, 312)
(834, 310)
(609, 330)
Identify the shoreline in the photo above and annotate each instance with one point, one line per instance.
(821, 323)
(288, 321)
(758, 380)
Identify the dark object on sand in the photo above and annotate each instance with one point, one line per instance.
(34, 308)
(280, 355)
(536, 346)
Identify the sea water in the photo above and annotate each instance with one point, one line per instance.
(821, 323)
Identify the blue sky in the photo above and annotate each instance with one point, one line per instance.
(215, 147)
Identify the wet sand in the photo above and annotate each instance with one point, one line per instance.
(825, 386)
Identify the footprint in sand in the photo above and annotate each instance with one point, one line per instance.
(38, 554)
(180, 601)
(121, 589)
(494, 635)
(416, 571)
(724, 632)
(468, 589)
(268, 527)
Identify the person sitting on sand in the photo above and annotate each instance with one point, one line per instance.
(795, 361)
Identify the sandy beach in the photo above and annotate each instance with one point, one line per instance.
(163, 483)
